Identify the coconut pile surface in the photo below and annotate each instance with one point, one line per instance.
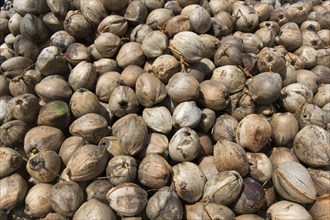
(165, 109)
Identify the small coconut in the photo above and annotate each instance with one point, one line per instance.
(95, 210)
(44, 166)
(132, 133)
(184, 145)
(66, 197)
(24, 107)
(182, 87)
(223, 188)
(11, 161)
(121, 169)
(149, 90)
(164, 204)
(13, 190)
(154, 171)
(91, 126)
(189, 181)
(253, 132)
(42, 138)
(127, 199)
(87, 162)
(98, 190)
(12, 133)
(37, 200)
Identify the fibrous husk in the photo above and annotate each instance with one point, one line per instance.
(294, 95)
(251, 198)
(199, 18)
(127, 199)
(15, 66)
(158, 145)
(265, 87)
(321, 98)
(207, 165)
(77, 25)
(139, 33)
(83, 102)
(27, 48)
(55, 114)
(114, 24)
(69, 146)
(42, 138)
(94, 209)
(158, 17)
(223, 188)
(230, 76)
(177, 24)
(224, 127)
(321, 179)
(87, 162)
(189, 45)
(296, 186)
(83, 76)
(132, 133)
(94, 10)
(253, 132)
(107, 44)
(208, 211)
(213, 95)
(24, 107)
(105, 85)
(149, 90)
(11, 160)
(319, 210)
(52, 22)
(136, 12)
(52, 88)
(123, 101)
(37, 200)
(164, 204)
(130, 54)
(13, 190)
(121, 169)
(281, 155)
(184, 145)
(288, 210)
(230, 156)
(228, 54)
(207, 121)
(182, 87)
(154, 44)
(114, 5)
(62, 39)
(311, 145)
(66, 197)
(158, 118)
(12, 133)
(241, 105)
(91, 126)
(290, 36)
(22, 84)
(33, 28)
(24, 7)
(44, 166)
(189, 181)
(58, 7)
(284, 128)
(77, 52)
(98, 190)
(154, 171)
(186, 114)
